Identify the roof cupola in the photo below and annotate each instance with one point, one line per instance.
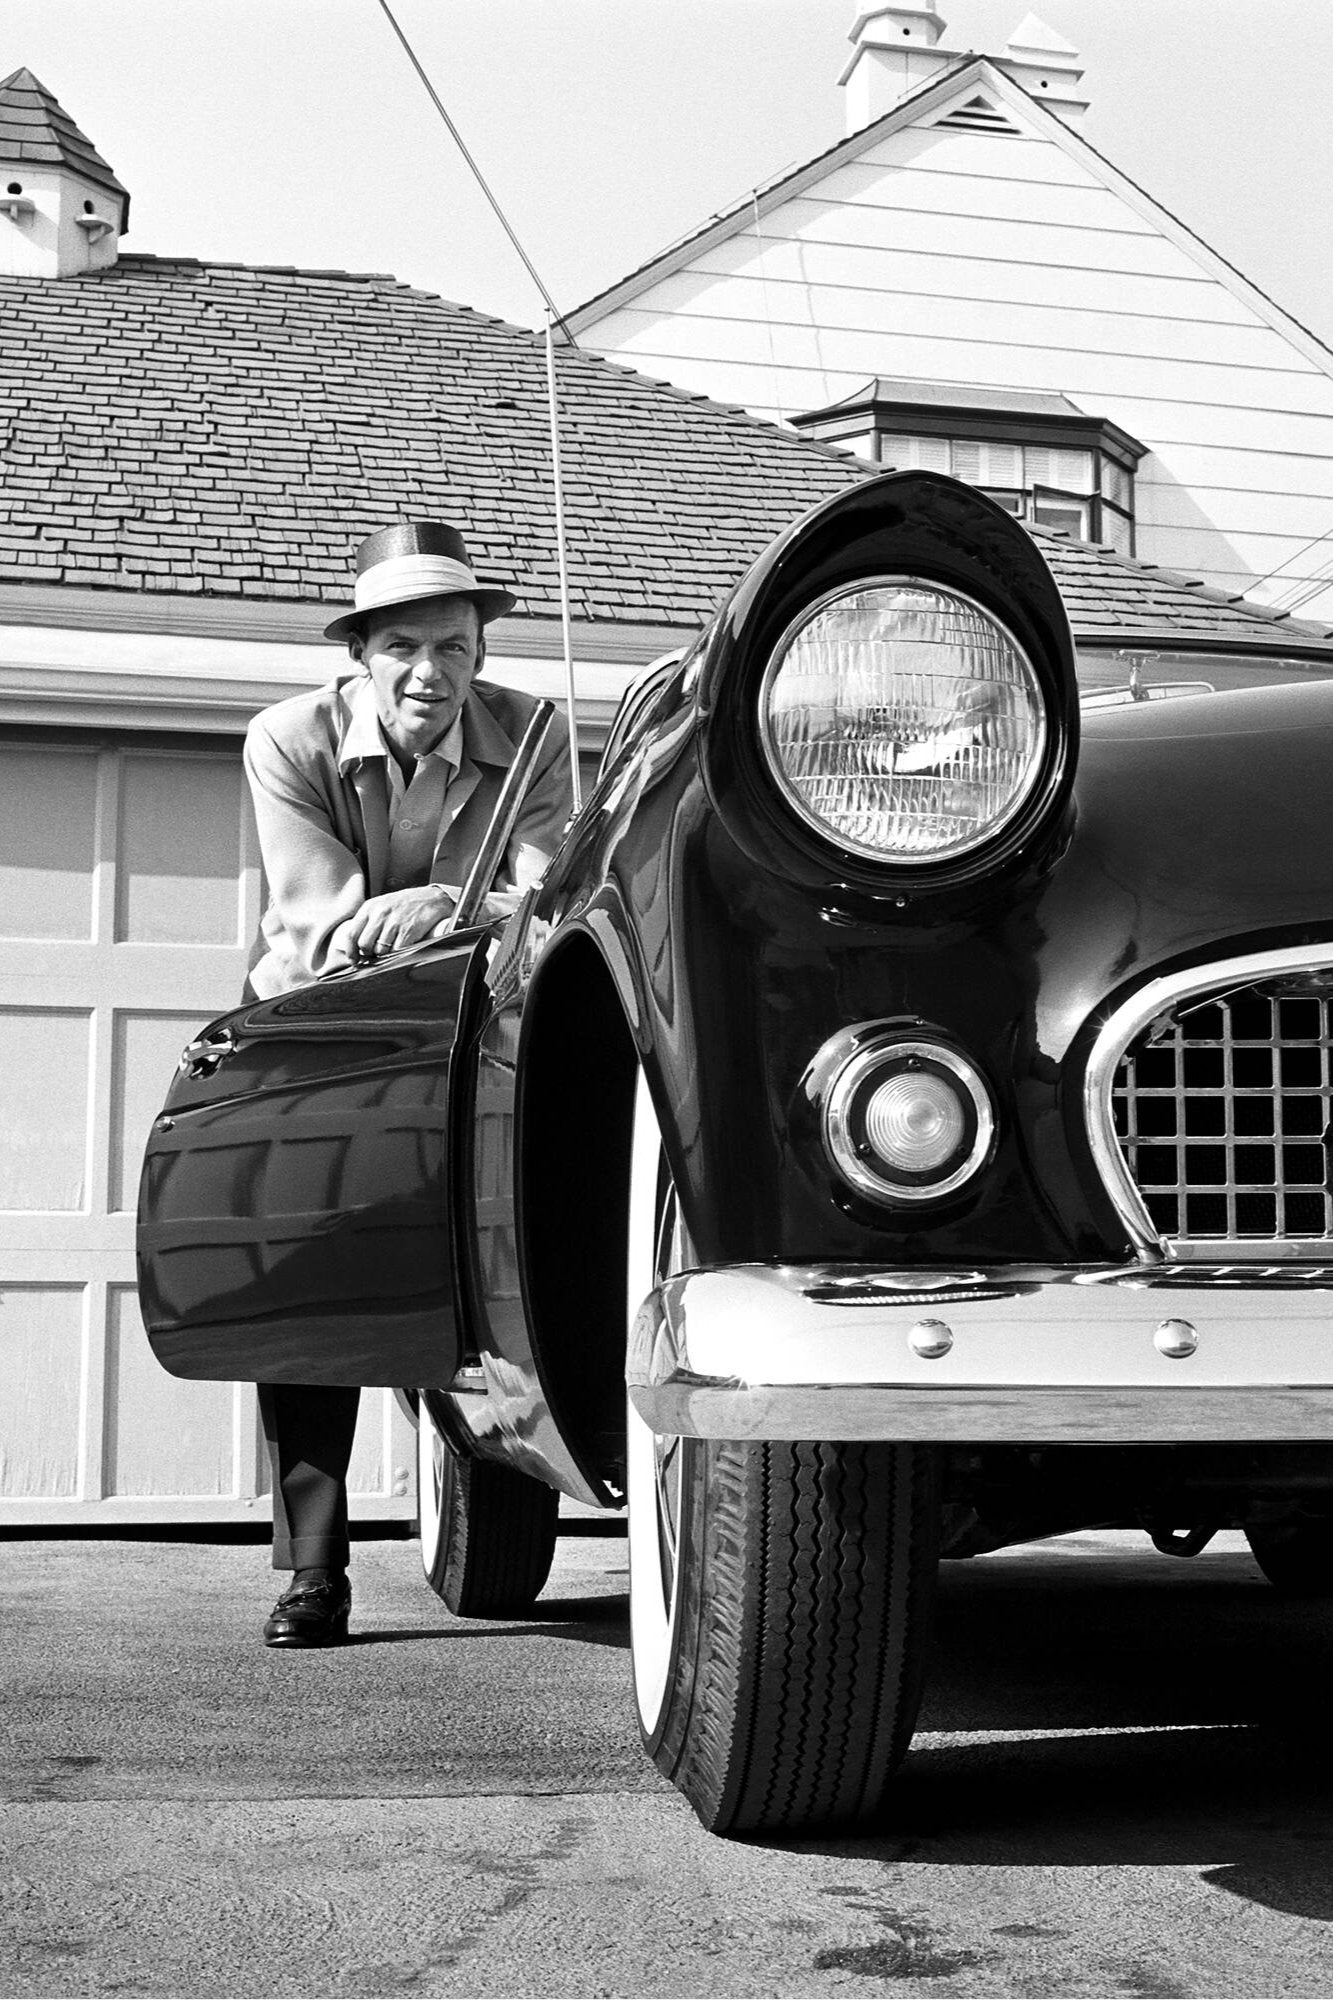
(895, 49)
(62, 210)
(1047, 66)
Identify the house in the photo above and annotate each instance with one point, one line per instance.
(964, 282)
(189, 455)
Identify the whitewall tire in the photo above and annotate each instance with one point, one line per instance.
(780, 1594)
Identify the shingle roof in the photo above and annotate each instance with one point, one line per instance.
(1111, 597)
(36, 131)
(178, 426)
(213, 429)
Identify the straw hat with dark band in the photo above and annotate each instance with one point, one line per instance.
(416, 559)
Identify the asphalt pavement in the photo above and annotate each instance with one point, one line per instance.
(1120, 1787)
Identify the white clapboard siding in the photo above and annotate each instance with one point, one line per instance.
(129, 892)
(969, 339)
(1025, 263)
(860, 194)
(1085, 330)
(1015, 239)
(877, 268)
(1298, 475)
(1256, 436)
(1169, 505)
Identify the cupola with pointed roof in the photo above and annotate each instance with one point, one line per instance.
(1047, 66)
(62, 210)
(897, 48)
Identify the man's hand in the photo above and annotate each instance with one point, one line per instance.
(388, 923)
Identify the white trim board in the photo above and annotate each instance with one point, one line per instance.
(82, 677)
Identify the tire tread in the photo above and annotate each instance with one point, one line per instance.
(800, 1670)
(498, 1539)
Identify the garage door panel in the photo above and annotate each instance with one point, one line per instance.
(129, 893)
(180, 840)
(383, 1452)
(45, 1076)
(130, 979)
(47, 842)
(146, 1046)
(161, 1436)
(41, 1356)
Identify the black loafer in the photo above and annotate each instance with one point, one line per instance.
(311, 1614)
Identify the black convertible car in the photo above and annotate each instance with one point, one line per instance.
(919, 1104)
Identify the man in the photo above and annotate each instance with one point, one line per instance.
(372, 796)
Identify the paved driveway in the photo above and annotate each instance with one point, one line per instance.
(1121, 1787)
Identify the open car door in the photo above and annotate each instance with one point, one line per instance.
(294, 1210)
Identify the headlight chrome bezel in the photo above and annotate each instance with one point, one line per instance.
(1035, 778)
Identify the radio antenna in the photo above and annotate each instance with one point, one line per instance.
(553, 319)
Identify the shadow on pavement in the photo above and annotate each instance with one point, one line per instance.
(599, 1621)
(1113, 1712)
(611, 1609)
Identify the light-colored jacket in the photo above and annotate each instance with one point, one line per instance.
(324, 821)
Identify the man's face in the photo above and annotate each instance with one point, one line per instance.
(422, 659)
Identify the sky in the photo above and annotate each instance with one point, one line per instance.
(296, 132)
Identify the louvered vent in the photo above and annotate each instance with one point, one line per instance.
(980, 115)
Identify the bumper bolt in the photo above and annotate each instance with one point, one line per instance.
(1176, 1339)
(930, 1338)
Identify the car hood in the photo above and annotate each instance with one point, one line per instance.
(1283, 709)
(1202, 827)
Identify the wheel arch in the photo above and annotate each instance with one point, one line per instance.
(574, 1118)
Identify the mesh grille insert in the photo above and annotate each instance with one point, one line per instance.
(1222, 1111)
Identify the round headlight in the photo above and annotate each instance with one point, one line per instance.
(902, 720)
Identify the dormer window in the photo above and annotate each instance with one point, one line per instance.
(1039, 455)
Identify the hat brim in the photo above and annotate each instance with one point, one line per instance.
(491, 602)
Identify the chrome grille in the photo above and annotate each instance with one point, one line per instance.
(1222, 1111)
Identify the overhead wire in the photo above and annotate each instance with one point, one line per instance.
(1297, 590)
(773, 375)
(477, 174)
(554, 318)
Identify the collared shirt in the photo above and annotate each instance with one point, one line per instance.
(418, 810)
(322, 808)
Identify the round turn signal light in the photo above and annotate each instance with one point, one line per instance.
(905, 1121)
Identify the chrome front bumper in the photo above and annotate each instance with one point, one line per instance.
(1068, 1355)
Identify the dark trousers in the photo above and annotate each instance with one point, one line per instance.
(309, 1431)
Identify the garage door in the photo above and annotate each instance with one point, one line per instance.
(129, 891)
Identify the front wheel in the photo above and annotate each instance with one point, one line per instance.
(780, 1614)
(1295, 1556)
(488, 1533)
(780, 1594)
